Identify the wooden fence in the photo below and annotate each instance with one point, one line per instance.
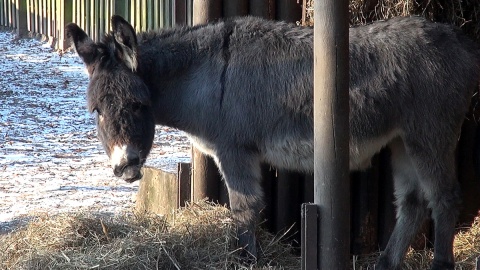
(49, 17)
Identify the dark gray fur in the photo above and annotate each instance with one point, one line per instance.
(243, 89)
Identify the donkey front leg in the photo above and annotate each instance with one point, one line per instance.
(242, 174)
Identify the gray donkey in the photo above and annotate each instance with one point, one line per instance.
(243, 90)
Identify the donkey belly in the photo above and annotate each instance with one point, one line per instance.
(294, 154)
(290, 153)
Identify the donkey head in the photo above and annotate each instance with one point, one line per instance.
(117, 95)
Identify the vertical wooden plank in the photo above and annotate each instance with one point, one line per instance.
(44, 18)
(180, 13)
(120, 8)
(288, 10)
(331, 131)
(1, 12)
(468, 177)
(286, 211)
(133, 14)
(27, 3)
(184, 179)
(2, 4)
(21, 16)
(83, 23)
(75, 12)
(205, 177)
(9, 13)
(108, 15)
(37, 16)
(65, 16)
(49, 18)
(168, 14)
(235, 8)
(55, 20)
(98, 18)
(149, 12)
(103, 12)
(143, 11)
(364, 211)
(309, 231)
(92, 16)
(156, 14)
(161, 9)
(87, 17)
(386, 207)
(5, 13)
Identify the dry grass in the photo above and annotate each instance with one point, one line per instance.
(200, 236)
(463, 13)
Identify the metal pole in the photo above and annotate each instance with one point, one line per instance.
(331, 132)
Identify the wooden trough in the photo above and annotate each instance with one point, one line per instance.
(161, 192)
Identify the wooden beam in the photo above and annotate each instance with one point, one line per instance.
(331, 133)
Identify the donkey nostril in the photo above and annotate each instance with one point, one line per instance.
(118, 170)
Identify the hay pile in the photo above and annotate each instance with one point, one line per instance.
(200, 236)
(464, 13)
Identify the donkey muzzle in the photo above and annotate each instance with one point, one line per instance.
(126, 163)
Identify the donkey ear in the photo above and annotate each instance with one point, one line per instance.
(84, 45)
(126, 41)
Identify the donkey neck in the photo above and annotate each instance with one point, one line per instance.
(183, 68)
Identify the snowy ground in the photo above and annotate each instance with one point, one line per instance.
(50, 158)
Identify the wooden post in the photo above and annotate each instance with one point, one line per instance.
(331, 133)
(206, 10)
(21, 18)
(206, 181)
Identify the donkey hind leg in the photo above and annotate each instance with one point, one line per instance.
(411, 208)
(242, 174)
(442, 192)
